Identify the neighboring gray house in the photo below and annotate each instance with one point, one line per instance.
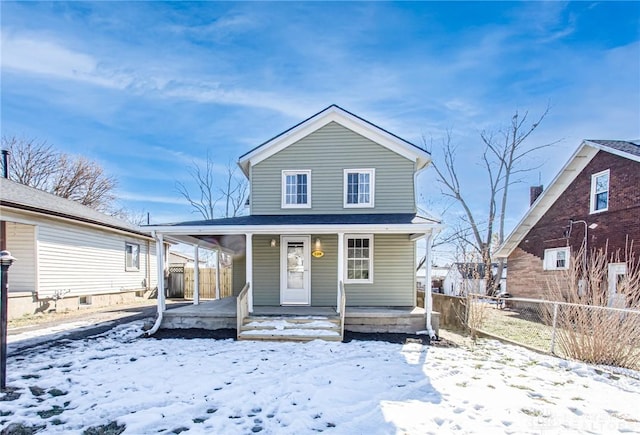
(332, 205)
(70, 256)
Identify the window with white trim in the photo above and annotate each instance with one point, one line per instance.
(359, 259)
(359, 187)
(296, 189)
(556, 258)
(132, 256)
(600, 192)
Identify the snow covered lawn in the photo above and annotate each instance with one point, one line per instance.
(229, 387)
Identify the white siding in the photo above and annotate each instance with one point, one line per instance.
(86, 261)
(21, 242)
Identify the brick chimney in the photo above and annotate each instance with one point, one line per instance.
(534, 193)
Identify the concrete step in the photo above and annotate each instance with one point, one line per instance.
(291, 335)
(288, 328)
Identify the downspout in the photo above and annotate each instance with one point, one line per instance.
(428, 298)
(159, 255)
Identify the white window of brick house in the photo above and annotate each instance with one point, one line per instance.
(132, 256)
(599, 192)
(296, 189)
(556, 258)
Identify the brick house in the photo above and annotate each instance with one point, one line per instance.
(593, 202)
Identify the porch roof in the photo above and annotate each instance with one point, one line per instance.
(399, 223)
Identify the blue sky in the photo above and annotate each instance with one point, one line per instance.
(147, 88)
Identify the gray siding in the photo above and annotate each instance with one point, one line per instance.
(324, 272)
(266, 271)
(327, 152)
(393, 269)
(21, 242)
(393, 274)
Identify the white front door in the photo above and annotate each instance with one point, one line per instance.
(295, 277)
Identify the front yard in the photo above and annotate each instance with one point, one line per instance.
(119, 382)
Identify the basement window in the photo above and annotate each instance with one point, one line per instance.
(84, 300)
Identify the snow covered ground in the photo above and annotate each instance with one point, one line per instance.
(226, 387)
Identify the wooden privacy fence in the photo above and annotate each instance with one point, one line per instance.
(182, 279)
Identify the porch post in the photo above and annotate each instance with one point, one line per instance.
(196, 275)
(340, 267)
(428, 298)
(249, 273)
(218, 274)
(160, 266)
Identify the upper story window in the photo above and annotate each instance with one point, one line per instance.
(359, 187)
(600, 192)
(556, 258)
(296, 189)
(132, 256)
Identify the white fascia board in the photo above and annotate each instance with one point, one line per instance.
(335, 114)
(295, 229)
(578, 161)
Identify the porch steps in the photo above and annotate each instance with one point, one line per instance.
(291, 328)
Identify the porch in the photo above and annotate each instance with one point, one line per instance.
(302, 322)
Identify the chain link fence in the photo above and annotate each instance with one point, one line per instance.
(595, 334)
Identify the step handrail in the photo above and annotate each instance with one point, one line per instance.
(242, 308)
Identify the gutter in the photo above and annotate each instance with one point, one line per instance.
(160, 286)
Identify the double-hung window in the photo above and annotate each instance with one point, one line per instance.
(359, 187)
(359, 259)
(132, 256)
(600, 192)
(556, 258)
(296, 189)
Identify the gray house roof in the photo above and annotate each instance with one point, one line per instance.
(619, 145)
(18, 196)
(312, 219)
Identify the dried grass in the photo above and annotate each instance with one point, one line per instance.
(591, 326)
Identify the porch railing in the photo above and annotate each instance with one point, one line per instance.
(242, 308)
(343, 303)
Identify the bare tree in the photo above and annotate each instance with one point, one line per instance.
(502, 160)
(37, 164)
(232, 190)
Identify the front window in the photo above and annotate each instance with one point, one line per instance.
(600, 192)
(296, 189)
(359, 187)
(132, 256)
(556, 259)
(359, 259)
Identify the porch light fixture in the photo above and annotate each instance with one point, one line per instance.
(317, 249)
(273, 243)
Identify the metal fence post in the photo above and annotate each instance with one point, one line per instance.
(553, 325)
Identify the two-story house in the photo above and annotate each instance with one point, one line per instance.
(332, 213)
(592, 204)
